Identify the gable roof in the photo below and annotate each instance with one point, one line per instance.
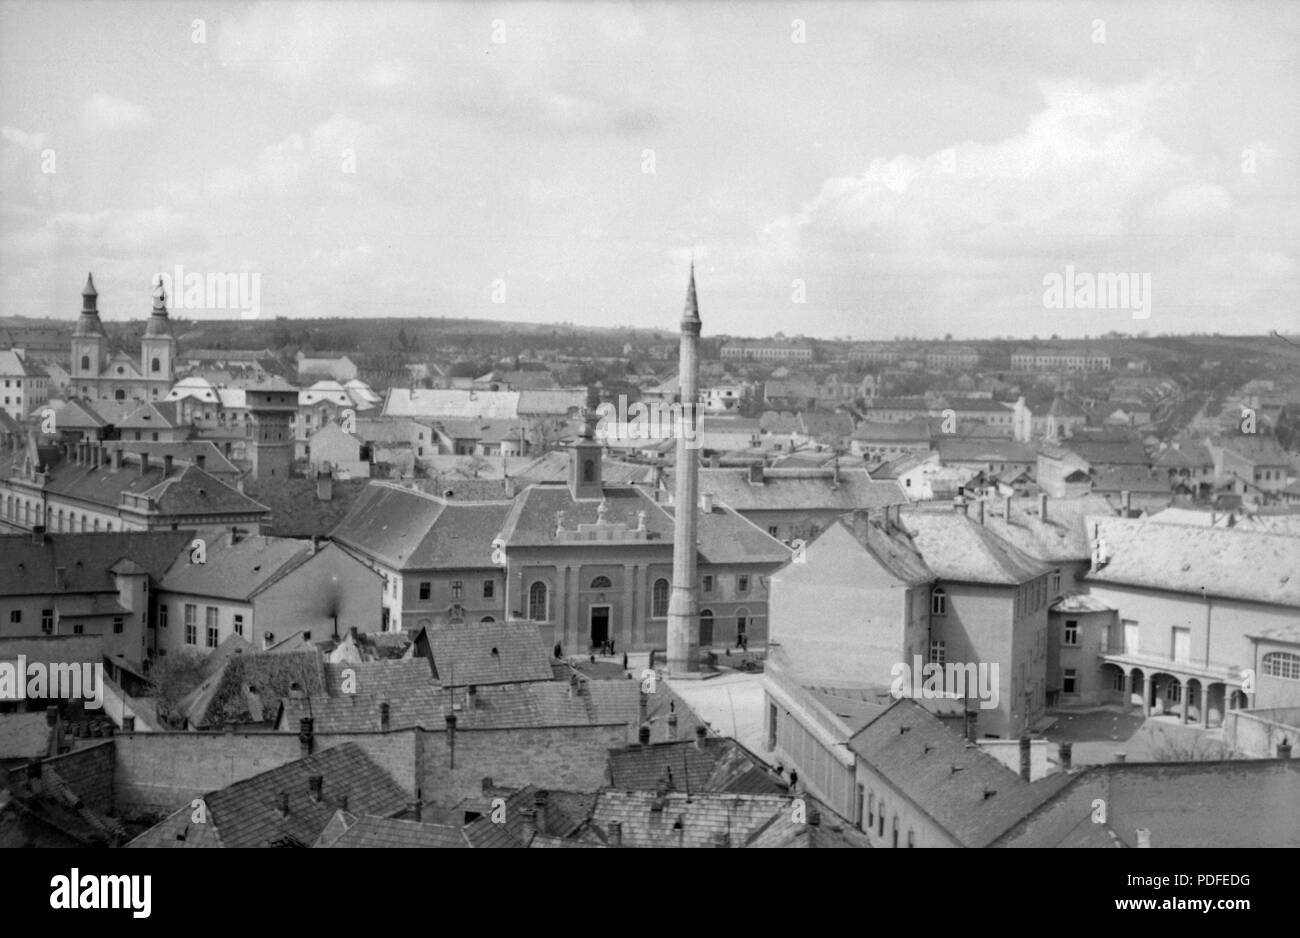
(348, 830)
(797, 489)
(957, 548)
(487, 653)
(972, 796)
(86, 560)
(708, 764)
(237, 571)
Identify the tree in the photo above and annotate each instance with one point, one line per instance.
(170, 679)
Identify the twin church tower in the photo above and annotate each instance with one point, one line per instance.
(101, 374)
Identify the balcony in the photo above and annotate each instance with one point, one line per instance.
(1113, 651)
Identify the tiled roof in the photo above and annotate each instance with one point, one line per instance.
(713, 764)
(968, 793)
(371, 831)
(820, 828)
(1227, 562)
(1064, 537)
(676, 819)
(296, 511)
(86, 559)
(1134, 479)
(247, 813)
(386, 679)
(237, 571)
(554, 467)
(151, 415)
(987, 450)
(958, 548)
(886, 431)
(896, 553)
(414, 530)
(249, 688)
(52, 648)
(487, 653)
(560, 815)
(187, 451)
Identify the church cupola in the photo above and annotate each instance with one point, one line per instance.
(158, 347)
(88, 336)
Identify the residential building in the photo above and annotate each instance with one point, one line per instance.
(24, 385)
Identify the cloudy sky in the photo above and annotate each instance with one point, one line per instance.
(903, 169)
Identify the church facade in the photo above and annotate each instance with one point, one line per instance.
(101, 374)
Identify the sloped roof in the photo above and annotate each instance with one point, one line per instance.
(246, 814)
(370, 831)
(415, 530)
(86, 559)
(972, 796)
(895, 553)
(900, 431)
(711, 764)
(676, 819)
(237, 571)
(488, 653)
(958, 548)
(1227, 562)
(797, 489)
(1064, 537)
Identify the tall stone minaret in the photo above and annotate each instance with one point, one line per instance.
(683, 605)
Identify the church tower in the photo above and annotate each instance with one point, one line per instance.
(158, 347)
(88, 338)
(585, 459)
(683, 604)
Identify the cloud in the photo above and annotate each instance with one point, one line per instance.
(105, 113)
(110, 233)
(28, 141)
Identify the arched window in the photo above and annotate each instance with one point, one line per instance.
(589, 471)
(155, 366)
(537, 602)
(601, 583)
(119, 395)
(1282, 664)
(85, 363)
(939, 602)
(659, 598)
(487, 620)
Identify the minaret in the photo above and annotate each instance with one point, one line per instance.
(683, 605)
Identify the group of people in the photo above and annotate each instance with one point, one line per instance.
(607, 647)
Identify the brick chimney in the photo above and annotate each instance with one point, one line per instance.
(643, 708)
(200, 460)
(643, 734)
(451, 740)
(756, 474)
(672, 726)
(1006, 508)
(700, 734)
(530, 824)
(384, 716)
(486, 786)
(1024, 757)
(1067, 755)
(315, 785)
(284, 804)
(144, 463)
(1284, 749)
(971, 720)
(168, 462)
(615, 833)
(540, 802)
(306, 738)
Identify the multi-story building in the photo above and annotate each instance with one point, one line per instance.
(1058, 360)
(24, 385)
(779, 350)
(953, 358)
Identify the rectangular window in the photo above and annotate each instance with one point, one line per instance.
(1067, 681)
(239, 623)
(742, 584)
(425, 588)
(489, 589)
(118, 624)
(1056, 582)
(1071, 636)
(191, 626)
(47, 621)
(16, 616)
(771, 529)
(939, 603)
(707, 584)
(937, 652)
(210, 616)
(78, 630)
(162, 615)
(871, 810)
(457, 588)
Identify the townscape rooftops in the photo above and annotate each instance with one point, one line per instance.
(347, 830)
(239, 570)
(798, 489)
(711, 764)
(960, 549)
(487, 653)
(1227, 562)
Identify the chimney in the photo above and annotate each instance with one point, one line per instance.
(540, 801)
(1042, 506)
(1006, 509)
(384, 712)
(200, 460)
(814, 816)
(672, 726)
(979, 511)
(706, 503)
(284, 804)
(1024, 757)
(721, 839)
(700, 734)
(1121, 757)
(315, 785)
(615, 832)
(418, 808)
(128, 724)
(144, 463)
(1067, 755)
(643, 706)
(756, 474)
(1284, 749)
(1144, 837)
(324, 486)
(306, 738)
(168, 462)
(486, 786)
(530, 824)
(451, 740)
(643, 734)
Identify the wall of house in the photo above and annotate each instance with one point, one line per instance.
(887, 805)
(841, 618)
(331, 583)
(1256, 734)
(417, 612)
(804, 737)
(1092, 685)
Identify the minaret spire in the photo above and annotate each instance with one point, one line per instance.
(683, 604)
